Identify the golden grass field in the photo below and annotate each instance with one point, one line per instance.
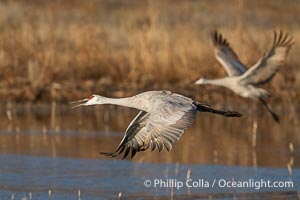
(65, 50)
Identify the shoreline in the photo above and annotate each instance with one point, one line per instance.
(64, 93)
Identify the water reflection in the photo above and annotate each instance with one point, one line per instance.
(40, 151)
(84, 132)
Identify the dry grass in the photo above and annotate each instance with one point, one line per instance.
(116, 47)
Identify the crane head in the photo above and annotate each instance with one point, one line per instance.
(199, 81)
(91, 100)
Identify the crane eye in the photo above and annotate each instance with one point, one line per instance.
(90, 97)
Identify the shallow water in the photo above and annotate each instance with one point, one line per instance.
(106, 178)
(40, 151)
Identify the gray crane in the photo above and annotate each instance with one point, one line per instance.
(242, 81)
(162, 119)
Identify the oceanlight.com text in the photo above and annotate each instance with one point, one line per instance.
(220, 183)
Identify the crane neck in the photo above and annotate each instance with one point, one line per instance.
(221, 81)
(127, 102)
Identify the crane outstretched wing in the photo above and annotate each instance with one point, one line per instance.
(154, 131)
(226, 56)
(270, 62)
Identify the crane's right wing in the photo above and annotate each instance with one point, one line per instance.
(270, 62)
(147, 131)
(226, 56)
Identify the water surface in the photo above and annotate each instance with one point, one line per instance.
(41, 151)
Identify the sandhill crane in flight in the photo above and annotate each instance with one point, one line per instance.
(162, 119)
(242, 81)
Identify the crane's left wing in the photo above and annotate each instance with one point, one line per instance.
(154, 131)
(270, 62)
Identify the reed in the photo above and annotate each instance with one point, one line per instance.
(49, 194)
(290, 164)
(79, 195)
(119, 195)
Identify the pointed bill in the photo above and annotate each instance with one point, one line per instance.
(79, 103)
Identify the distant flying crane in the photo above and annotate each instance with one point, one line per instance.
(242, 81)
(162, 119)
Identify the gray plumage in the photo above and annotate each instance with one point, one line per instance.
(226, 56)
(162, 119)
(242, 81)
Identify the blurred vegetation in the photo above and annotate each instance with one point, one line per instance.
(65, 50)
